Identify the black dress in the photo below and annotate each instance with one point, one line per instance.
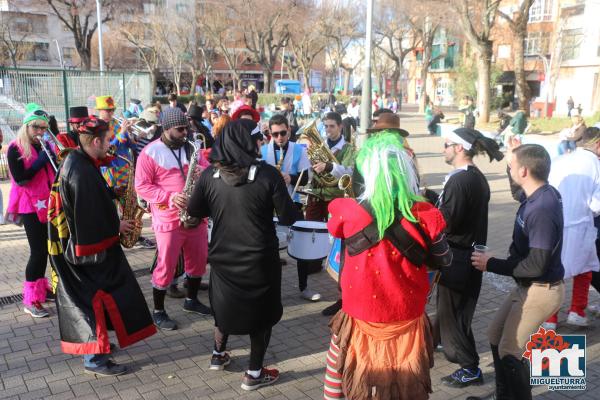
(245, 280)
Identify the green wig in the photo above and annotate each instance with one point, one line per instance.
(390, 179)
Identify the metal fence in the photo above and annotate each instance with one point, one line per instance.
(57, 90)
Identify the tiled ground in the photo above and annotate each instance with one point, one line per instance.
(174, 365)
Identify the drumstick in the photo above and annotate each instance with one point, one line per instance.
(297, 183)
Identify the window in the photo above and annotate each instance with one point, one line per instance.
(537, 43)
(504, 51)
(22, 25)
(181, 8)
(68, 54)
(541, 10)
(37, 52)
(571, 42)
(445, 61)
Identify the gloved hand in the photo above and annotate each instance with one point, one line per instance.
(42, 160)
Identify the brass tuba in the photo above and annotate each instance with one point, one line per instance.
(317, 151)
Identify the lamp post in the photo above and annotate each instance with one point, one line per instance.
(100, 50)
(60, 57)
(365, 104)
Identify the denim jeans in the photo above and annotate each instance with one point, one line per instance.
(95, 360)
(566, 145)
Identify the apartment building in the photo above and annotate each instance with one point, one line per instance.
(562, 53)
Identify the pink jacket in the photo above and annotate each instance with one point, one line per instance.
(158, 179)
(33, 196)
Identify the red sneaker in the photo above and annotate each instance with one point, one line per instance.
(267, 377)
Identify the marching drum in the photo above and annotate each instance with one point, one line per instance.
(308, 240)
(282, 233)
(334, 259)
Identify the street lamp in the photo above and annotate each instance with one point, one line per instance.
(100, 50)
(365, 104)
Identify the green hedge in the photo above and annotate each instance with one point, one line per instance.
(264, 99)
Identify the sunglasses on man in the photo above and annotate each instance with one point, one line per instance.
(276, 134)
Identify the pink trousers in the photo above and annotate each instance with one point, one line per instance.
(193, 242)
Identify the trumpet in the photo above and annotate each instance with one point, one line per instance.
(136, 129)
(48, 152)
(63, 151)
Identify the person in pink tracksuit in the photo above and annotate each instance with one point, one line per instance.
(160, 177)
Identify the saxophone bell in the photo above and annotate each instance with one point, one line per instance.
(345, 184)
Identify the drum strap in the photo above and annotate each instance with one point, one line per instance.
(396, 234)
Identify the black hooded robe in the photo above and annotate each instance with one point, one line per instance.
(95, 280)
(245, 274)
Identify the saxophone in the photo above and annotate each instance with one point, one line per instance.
(280, 161)
(186, 220)
(317, 151)
(131, 208)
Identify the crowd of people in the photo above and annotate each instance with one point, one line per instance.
(188, 165)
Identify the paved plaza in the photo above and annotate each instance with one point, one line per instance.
(174, 365)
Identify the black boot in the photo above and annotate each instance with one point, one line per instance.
(502, 390)
(517, 373)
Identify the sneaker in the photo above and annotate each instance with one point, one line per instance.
(162, 321)
(576, 319)
(594, 309)
(267, 377)
(463, 377)
(108, 369)
(549, 326)
(144, 243)
(50, 296)
(195, 306)
(309, 295)
(219, 362)
(36, 310)
(174, 292)
(332, 309)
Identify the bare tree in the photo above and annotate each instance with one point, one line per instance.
(306, 39)
(477, 18)
(265, 32)
(341, 28)
(225, 39)
(517, 22)
(143, 38)
(13, 44)
(79, 17)
(397, 37)
(427, 32)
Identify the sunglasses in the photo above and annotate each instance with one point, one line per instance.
(276, 134)
(446, 145)
(40, 113)
(39, 127)
(181, 128)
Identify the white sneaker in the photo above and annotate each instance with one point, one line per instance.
(576, 319)
(594, 309)
(309, 295)
(549, 326)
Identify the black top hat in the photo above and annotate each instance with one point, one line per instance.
(195, 112)
(78, 114)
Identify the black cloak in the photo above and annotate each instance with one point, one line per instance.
(245, 280)
(94, 277)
